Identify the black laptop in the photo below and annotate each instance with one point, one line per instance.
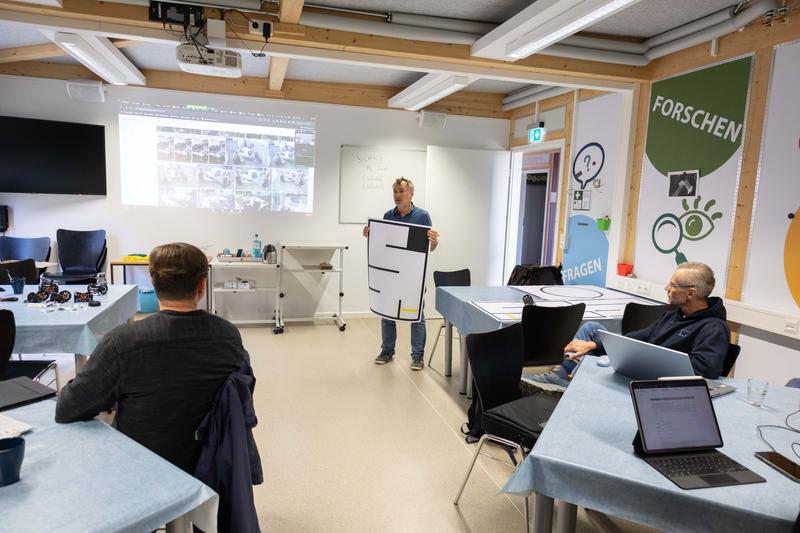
(678, 434)
(22, 390)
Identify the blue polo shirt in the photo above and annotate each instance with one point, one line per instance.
(417, 215)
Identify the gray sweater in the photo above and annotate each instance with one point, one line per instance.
(162, 373)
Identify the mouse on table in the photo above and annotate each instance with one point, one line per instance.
(603, 361)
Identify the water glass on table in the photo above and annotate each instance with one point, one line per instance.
(756, 391)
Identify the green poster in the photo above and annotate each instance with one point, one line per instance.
(696, 120)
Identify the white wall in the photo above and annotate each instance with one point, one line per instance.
(138, 229)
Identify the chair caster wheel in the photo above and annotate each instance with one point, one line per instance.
(343, 327)
(277, 331)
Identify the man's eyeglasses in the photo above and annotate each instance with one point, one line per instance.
(671, 286)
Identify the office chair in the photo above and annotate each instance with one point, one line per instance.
(730, 359)
(36, 248)
(35, 370)
(81, 254)
(638, 316)
(25, 268)
(794, 382)
(507, 418)
(546, 330)
(455, 278)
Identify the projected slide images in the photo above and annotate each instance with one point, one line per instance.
(219, 166)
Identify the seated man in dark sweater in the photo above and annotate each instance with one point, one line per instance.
(163, 372)
(696, 328)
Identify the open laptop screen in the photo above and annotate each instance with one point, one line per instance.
(675, 415)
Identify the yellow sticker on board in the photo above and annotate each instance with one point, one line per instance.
(408, 310)
(791, 257)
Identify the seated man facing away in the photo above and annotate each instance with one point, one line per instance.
(162, 372)
(697, 328)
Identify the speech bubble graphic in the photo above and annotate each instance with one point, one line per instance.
(588, 163)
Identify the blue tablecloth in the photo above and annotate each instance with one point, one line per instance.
(584, 456)
(68, 331)
(88, 477)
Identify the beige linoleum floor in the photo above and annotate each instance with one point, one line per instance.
(349, 446)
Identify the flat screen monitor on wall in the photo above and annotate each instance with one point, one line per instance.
(204, 157)
(49, 157)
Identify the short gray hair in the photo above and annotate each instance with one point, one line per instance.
(698, 274)
(400, 180)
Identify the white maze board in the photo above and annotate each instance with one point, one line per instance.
(601, 303)
(397, 257)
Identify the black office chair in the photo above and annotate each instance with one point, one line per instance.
(638, 316)
(794, 382)
(81, 254)
(35, 370)
(19, 269)
(507, 418)
(15, 248)
(455, 278)
(730, 358)
(546, 330)
(536, 275)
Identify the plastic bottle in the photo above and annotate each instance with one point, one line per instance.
(256, 246)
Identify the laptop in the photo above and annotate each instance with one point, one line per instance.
(642, 360)
(20, 391)
(678, 434)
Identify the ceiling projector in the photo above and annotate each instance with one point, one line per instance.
(209, 62)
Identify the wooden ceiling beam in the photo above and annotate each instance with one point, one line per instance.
(45, 51)
(288, 13)
(115, 19)
(375, 96)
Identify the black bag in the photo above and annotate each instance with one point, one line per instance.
(536, 275)
(472, 427)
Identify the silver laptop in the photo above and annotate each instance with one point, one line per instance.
(642, 360)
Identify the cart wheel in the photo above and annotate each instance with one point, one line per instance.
(342, 327)
(277, 331)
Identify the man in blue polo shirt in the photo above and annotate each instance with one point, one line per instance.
(405, 211)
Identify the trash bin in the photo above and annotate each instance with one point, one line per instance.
(147, 301)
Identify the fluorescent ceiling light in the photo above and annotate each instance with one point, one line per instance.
(99, 55)
(543, 23)
(429, 89)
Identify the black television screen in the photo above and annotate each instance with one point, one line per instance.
(44, 156)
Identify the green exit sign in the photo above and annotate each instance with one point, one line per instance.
(535, 135)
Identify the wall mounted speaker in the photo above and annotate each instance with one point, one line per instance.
(3, 218)
(86, 90)
(429, 119)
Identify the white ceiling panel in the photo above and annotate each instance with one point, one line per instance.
(481, 10)
(651, 17)
(301, 69)
(12, 36)
(494, 86)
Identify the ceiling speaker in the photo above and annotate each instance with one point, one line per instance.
(86, 90)
(429, 119)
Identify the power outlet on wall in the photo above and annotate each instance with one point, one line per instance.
(642, 288)
(261, 27)
(790, 326)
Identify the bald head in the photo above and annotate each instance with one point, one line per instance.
(699, 275)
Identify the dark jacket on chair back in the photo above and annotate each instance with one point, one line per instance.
(229, 461)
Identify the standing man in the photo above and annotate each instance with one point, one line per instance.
(405, 211)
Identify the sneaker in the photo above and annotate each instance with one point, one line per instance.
(417, 364)
(384, 358)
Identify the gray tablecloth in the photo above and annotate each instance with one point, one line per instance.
(584, 456)
(69, 331)
(454, 303)
(87, 477)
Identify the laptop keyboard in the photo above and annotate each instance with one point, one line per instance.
(695, 465)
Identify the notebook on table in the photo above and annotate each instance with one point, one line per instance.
(678, 434)
(642, 360)
(22, 390)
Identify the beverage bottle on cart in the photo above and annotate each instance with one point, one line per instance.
(256, 246)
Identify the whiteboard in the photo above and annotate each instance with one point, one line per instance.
(366, 176)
